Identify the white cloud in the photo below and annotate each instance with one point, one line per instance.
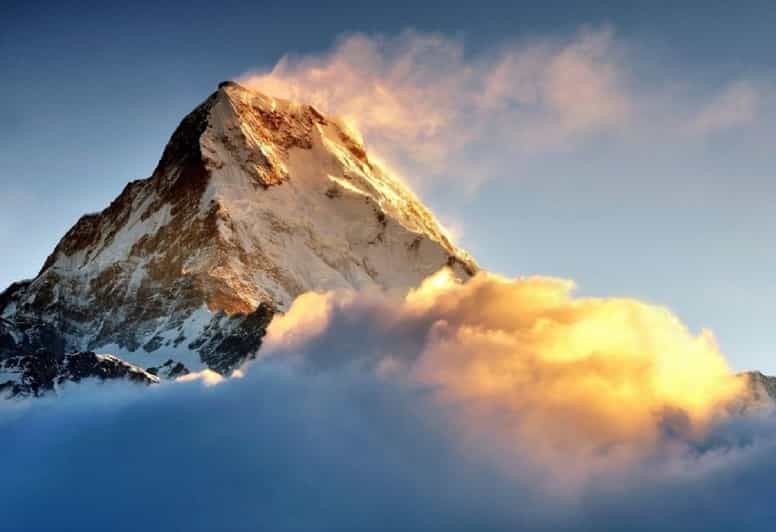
(734, 106)
(525, 365)
(342, 448)
(420, 100)
(437, 111)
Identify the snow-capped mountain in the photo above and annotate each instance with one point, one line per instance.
(254, 201)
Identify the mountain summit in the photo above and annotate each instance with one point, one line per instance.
(255, 201)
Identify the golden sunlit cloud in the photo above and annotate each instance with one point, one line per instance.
(559, 374)
(207, 377)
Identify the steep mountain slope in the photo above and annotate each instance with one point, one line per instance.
(254, 201)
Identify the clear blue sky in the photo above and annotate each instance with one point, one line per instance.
(89, 95)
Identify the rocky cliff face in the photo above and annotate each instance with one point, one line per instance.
(254, 201)
(34, 374)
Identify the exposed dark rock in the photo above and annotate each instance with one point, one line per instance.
(27, 335)
(41, 372)
(177, 370)
(228, 83)
(224, 352)
(11, 293)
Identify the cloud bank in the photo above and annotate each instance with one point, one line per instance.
(496, 405)
(560, 376)
(435, 110)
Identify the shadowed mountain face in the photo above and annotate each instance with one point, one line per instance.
(255, 201)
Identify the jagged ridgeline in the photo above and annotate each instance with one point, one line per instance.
(255, 201)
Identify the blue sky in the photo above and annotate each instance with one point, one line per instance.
(635, 206)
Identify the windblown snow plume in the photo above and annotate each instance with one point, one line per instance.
(437, 110)
(419, 99)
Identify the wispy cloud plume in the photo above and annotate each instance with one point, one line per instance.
(435, 110)
(734, 106)
(420, 100)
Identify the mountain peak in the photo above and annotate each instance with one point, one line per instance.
(228, 84)
(254, 201)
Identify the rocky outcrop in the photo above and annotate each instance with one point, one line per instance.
(35, 374)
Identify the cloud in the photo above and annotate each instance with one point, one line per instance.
(612, 374)
(207, 377)
(496, 405)
(284, 450)
(734, 106)
(437, 111)
(420, 100)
